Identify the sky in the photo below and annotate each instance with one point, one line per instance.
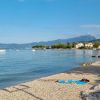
(24, 21)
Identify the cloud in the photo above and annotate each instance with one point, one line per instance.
(90, 26)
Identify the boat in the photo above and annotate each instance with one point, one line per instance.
(2, 50)
(33, 50)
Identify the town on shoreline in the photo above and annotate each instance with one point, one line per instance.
(79, 45)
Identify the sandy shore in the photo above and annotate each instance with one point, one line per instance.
(48, 89)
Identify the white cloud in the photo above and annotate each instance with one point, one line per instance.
(90, 26)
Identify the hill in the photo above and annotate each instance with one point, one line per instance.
(84, 38)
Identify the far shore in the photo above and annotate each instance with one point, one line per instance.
(47, 88)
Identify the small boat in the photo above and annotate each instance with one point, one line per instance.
(2, 50)
(33, 50)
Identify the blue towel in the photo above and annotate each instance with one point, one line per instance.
(81, 82)
(61, 81)
(72, 81)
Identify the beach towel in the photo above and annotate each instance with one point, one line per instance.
(72, 81)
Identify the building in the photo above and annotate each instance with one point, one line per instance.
(99, 47)
(89, 45)
(79, 45)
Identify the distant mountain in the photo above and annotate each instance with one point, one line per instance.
(95, 40)
(84, 38)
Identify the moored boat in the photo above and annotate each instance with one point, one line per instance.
(33, 50)
(2, 50)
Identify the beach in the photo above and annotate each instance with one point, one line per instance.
(47, 88)
(49, 49)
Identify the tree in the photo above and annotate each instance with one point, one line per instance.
(63, 46)
(96, 44)
(40, 46)
(73, 44)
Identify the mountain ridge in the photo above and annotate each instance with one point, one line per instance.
(84, 38)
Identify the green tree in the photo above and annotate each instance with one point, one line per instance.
(96, 44)
(40, 46)
(63, 46)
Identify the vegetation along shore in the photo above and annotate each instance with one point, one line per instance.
(80, 45)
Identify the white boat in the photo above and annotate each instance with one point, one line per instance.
(33, 50)
(2, 50)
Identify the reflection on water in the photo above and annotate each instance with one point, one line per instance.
(86, 52)
(20, 66)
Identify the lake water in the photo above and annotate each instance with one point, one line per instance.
(18, 66)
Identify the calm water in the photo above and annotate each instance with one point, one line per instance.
(24, 65)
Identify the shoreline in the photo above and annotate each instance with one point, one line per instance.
(47, 88)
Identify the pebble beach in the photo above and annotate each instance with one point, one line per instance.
(47, 88)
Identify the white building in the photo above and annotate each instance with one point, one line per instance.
(79, 45)
(89, 45)
(99, 47)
